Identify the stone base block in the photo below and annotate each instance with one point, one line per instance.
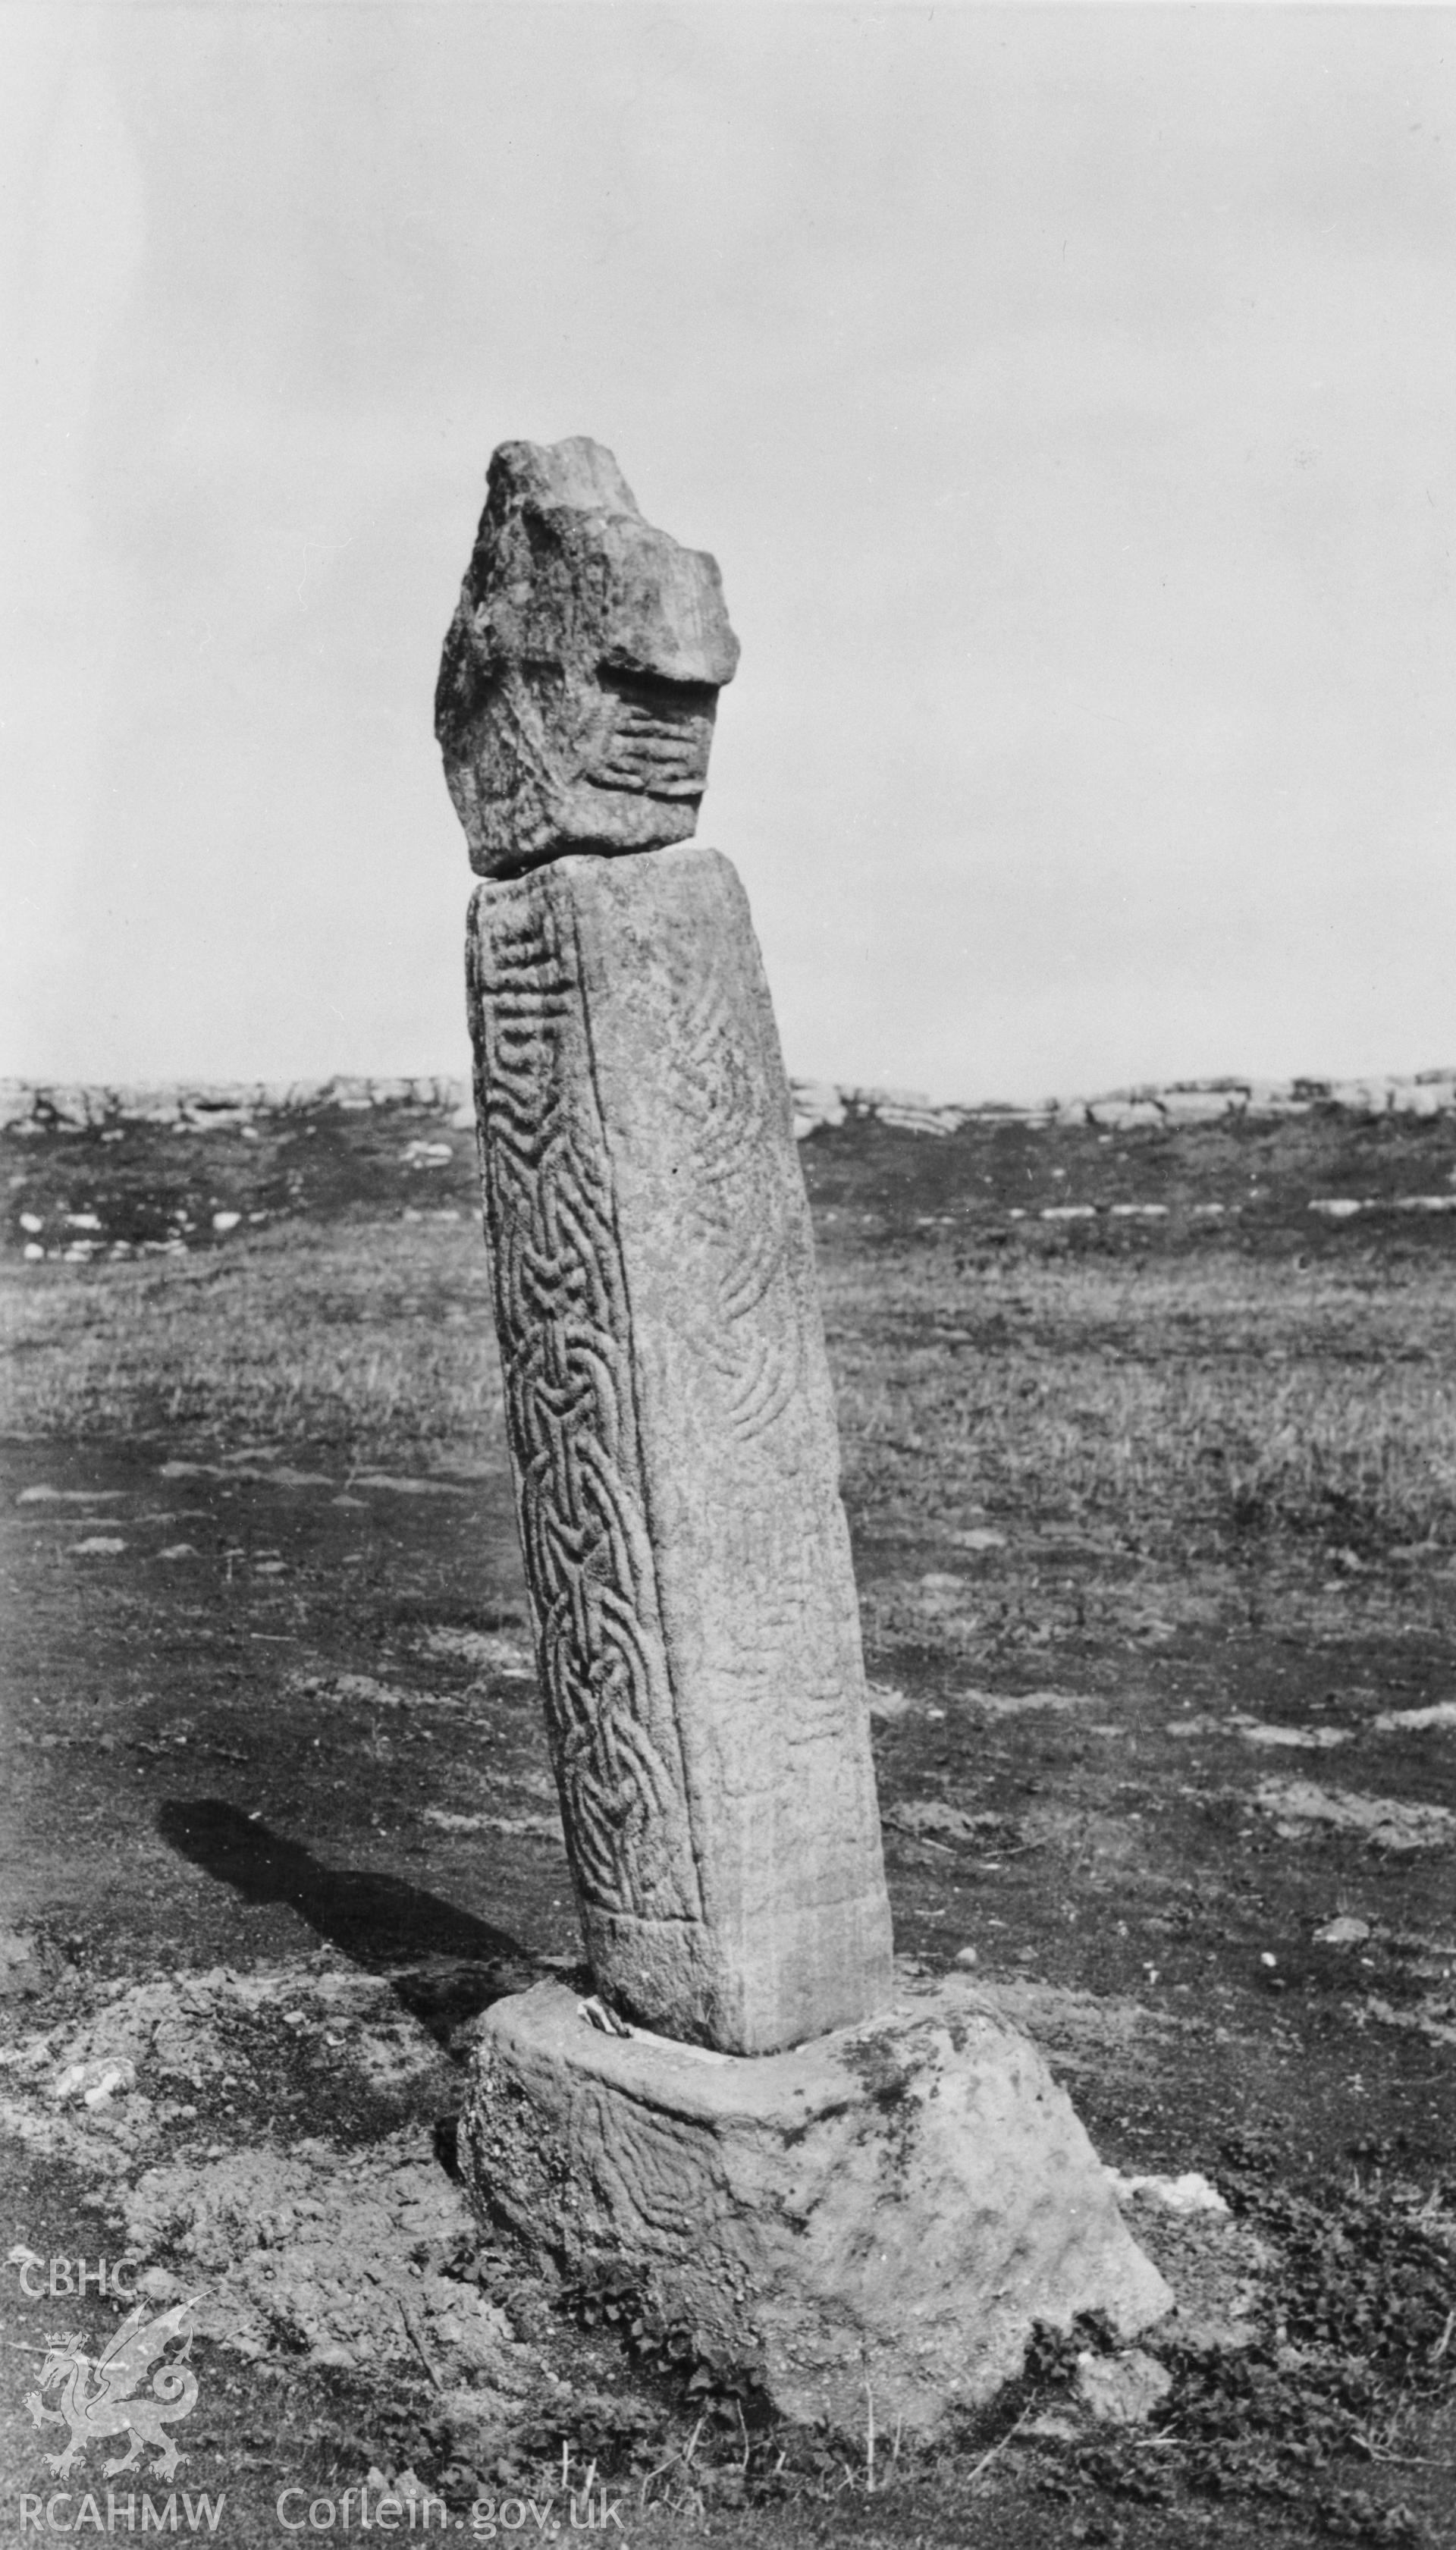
(893, 2205)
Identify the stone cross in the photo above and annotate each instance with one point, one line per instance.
(668, 1404)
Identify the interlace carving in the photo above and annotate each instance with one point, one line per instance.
(562, 1318)
(750, 1334)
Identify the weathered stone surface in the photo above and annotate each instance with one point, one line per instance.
(675, 1451)
(580, 676)
(896, 2205)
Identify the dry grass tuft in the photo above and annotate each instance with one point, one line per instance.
(373, 1337)
(1180, 1401)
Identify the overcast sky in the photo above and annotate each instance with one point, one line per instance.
(1067, 395)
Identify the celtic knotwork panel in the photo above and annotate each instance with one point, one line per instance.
(562, 1317)
(748, 1330)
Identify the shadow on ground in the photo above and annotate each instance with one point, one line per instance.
(444, 1964)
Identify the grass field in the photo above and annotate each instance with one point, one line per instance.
(1155, 1530)
(1176, 1401)
(366, 1340)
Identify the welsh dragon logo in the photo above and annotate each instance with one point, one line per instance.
(111, 2407)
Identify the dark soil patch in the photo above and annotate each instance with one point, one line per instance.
(311, 1730)
(1248, 1181)
(139, 1186)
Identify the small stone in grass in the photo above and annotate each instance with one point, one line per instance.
(886, 1702)
(1190, 2193)
(1345, 1932)
(1121, 2390)
(95, 2082)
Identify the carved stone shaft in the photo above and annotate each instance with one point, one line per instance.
(675, 1451)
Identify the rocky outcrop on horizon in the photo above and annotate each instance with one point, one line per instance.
(197, 1106)
(1165, 1104)
(202, 1106)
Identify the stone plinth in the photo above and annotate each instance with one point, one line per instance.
(896, 2205)
(675, 1451)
